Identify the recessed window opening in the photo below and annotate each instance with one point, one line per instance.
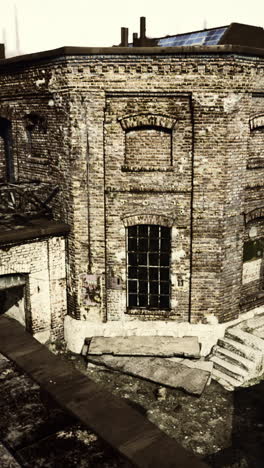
(36, 128)
(150, 127)
(7, 167)
(148, 264)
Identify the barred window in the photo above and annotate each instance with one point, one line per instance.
(148, 264)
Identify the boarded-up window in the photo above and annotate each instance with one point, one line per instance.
(148, 146)
(36, 126)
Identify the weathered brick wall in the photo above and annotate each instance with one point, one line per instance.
(43, 263)
(105, 174)
(41, 89)
(252, 275)
(149, 147)
(147, 188)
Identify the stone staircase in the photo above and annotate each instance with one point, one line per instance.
(239, 356)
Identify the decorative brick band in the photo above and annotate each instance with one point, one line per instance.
(256, 122)
(147, 119)
(161, 220)
(254, 214)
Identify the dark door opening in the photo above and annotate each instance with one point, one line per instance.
(12, 303)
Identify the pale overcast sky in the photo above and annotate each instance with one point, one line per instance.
(48, 24)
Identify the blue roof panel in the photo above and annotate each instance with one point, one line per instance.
(211, 37)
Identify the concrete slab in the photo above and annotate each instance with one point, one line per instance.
(196, 364)
(165, 346)
(160, 370)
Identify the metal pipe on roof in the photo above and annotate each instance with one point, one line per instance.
(142, 27)
(135, 36)
(124, 37)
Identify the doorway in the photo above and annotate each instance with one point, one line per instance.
(12, 297)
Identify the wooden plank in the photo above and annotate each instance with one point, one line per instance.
(110, 417)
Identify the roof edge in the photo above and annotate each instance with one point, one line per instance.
(180, 50)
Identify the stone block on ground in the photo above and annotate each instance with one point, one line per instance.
(166, 346)
(196, 364)
(159, 370)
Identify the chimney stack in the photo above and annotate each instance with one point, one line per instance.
(142, 27)
(143, 40)
(124, 37)
(135, 36)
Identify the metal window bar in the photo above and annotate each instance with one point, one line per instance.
(148, 253)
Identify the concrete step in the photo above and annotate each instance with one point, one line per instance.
(225, 380)
(238, 348)
(255, 322)
(236, 372)
(245, 338)
(234, 358)
(163, 346)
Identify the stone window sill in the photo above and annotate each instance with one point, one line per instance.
(150, 312)
(127, 168)
(37, 160)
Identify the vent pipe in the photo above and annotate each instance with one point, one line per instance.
(142, 27)
(124, 37)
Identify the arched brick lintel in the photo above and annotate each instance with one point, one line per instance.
(156, 219)
(254, 214)
(147, 119)
(256, 122)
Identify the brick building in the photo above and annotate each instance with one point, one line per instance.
(155, 150)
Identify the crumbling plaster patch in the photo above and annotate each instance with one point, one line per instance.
(251, 271)
(231, 102)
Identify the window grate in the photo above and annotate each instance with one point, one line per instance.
(148, 264)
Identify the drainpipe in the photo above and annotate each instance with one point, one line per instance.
(191, 208)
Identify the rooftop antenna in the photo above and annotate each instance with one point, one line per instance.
(4, 35)
(205, 24)
(17, 32)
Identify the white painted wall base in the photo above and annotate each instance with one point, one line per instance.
(75, 331)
